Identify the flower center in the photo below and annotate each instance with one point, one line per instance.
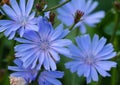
(44, 45)
(89, 59)
(23, 20)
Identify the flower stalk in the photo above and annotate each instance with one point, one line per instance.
(57, 6)
(117, 19)
(115, 28)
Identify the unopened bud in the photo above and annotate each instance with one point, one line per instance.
(78, 16)
(52, 17)
(40, 6)
(117, 5)
(4, 2)
(17, 81)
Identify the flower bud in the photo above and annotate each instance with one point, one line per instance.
(4, 2)
(78, 16)
(52, 17)
(117, 5)
(40, 6)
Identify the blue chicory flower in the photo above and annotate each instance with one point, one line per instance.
(84, 8)
(49, 78)
(91, 57)
(20, 18)
(19, 71)
(42, 47)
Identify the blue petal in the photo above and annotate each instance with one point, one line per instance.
(41, 60)
(29, 61)
(32, 36)
(101, 71)
(100, 45)
(22, 6)
(84, 43)
(94, 74)
(82, 28)
(9, 11)
(22, 40)
(76, 52)
(2, 29)
(15, 68)
(12, 34)
(29, 6)
(61, 43)
(21, 31)
(56, 74)
(106, 50)
(15, 6)
(95, 18)
(90, 6)
(52, 63)
(44, 27)
(31, 27)
(53, 81)
(26, 47)
(87, 70)
(55, 55)
(46, 62)
(63, 51)
(6, 22)
(109, 56)
(106, 65)
(81, 69)
(58, 31)
(67, 20)
(11, 28)
(34, 64)
(32, 15)
(64, 33)
(73, 65)
(18, 62)
(95, 43)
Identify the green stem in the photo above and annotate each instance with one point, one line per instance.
(113, 77)
(114, 73)
(72, 27)
(57, 6)
(115, 28)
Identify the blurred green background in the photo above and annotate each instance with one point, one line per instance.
(105, 28)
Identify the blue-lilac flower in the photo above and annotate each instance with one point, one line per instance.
(27, 74)
(42, 47)
(84, 9)
(21, 18)
(91, 57)
(49, 78)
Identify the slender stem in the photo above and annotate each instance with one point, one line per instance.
(115, 28)
(71, 30)
(114, 73)
(57, 6)
(72, 27)
(114, 76)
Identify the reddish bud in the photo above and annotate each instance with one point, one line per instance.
(117, 5)
(52, 17)
(5, 2)
(40, 5)
(78, 16)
